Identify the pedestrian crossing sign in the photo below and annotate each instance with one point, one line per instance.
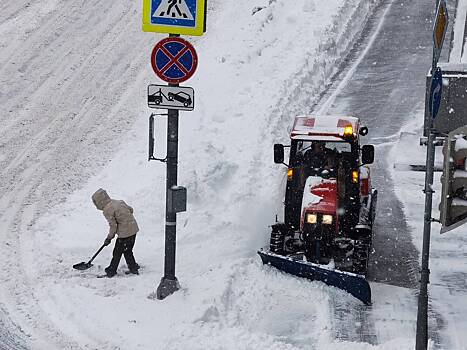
(187, 17)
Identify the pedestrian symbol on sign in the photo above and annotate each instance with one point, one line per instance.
(174, 12)
(177, 9)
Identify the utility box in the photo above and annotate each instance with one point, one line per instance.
(453, 108)
(176, 199)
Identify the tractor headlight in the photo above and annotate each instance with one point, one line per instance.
(327, 219)
(311, 218)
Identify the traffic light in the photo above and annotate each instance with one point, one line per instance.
(453, 206)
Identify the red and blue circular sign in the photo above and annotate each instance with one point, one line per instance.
(174, 60)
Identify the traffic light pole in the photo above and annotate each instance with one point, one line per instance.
(439, 32)
(422, 314)
(421, 341)
(169, 283)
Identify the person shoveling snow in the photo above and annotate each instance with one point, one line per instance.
(121, 223)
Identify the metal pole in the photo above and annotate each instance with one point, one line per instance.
(421, 342)
(422, 315)
(169, 283)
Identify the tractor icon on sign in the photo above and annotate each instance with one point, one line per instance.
(156, 98)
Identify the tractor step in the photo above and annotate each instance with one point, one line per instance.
(352, 283)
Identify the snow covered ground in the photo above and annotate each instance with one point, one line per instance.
(229, 300)
(77, 90)
(448, 263)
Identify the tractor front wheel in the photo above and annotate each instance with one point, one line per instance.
(277, 239)
(360, 257)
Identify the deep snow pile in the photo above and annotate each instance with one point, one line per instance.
(252, 59)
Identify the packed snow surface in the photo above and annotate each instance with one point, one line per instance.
(77, 91)
(448, 266)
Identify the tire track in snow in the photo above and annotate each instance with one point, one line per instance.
(376, 89)
(345, 313)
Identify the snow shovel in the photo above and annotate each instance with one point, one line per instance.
(86, 265)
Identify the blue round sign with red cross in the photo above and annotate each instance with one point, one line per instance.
(174, 60)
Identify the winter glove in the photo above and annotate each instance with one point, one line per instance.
(107, 241)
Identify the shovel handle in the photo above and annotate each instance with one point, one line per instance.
(97, 253)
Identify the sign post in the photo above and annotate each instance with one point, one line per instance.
(439, 32)
(169, 283)
(174, 60)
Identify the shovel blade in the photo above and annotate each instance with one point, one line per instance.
(82, 266)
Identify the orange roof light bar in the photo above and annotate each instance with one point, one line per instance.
(348, 130)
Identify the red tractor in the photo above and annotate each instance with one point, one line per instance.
(329, 205)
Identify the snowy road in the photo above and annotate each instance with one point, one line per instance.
(385, 88)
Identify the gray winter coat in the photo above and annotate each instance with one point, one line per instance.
(119, 215)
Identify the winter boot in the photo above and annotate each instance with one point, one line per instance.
(110, 273)
(133, 270)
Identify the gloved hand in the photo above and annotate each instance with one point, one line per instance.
(107, 241)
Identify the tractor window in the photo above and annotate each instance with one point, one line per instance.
(322, 154)
(339, 147)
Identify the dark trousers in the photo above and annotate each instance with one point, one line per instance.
(123, 246)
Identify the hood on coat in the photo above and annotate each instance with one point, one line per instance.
(100, 199)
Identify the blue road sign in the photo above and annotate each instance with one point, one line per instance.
(174, 16)
(436, 92)
(174, 60)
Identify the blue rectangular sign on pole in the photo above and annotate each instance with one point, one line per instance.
(436, 92)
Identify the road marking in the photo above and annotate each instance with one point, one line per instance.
(343, 83)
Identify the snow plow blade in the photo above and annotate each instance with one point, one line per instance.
(350, 282)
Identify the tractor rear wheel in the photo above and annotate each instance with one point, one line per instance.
(360, 257)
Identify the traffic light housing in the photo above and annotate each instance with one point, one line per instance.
(453, 206)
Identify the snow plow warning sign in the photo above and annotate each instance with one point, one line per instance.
(186, 17)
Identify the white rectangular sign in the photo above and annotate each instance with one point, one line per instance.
(171, 97)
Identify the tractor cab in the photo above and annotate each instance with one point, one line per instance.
(326, 150)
